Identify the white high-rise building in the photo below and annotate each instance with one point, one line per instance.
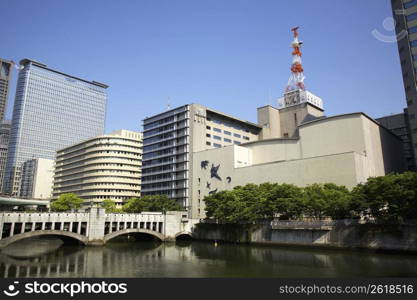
(100, 168)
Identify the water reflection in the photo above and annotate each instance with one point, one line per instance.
(50, 258)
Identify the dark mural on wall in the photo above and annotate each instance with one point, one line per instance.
(213, 192)
(204, 164)
(214, 173)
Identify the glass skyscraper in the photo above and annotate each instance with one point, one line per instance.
(52, 110)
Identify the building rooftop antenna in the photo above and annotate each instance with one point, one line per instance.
(169, 103)
(296, 80)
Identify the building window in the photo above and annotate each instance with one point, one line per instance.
(411, 30)
(216, 137)
(237, 135)
(217, 129)
(227, 132)
(208, 127)
(411, 17)
(246, 138)
(217, 145)
(409, 4)
(285, 135)
(208, 135)
(413, 43)
(237, 142)
(208, 143)
(227, 140)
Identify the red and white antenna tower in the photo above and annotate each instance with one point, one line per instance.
(296, 80)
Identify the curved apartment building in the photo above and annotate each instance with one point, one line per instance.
(104, 167)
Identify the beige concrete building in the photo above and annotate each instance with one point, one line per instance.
(37, 178)
(104, 167)
(299, 145)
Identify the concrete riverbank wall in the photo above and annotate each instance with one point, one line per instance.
(334, 234)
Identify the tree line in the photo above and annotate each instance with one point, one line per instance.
(162, 203)
(391, 198)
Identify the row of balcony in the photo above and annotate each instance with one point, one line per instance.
(98, 161)
(84, 170)
(101, 155)
(97, 174)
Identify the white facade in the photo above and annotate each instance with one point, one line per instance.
(37, 178)
(100, 168)
(345, 149)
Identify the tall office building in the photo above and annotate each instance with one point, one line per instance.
(103, 167)
(4, 143)
(5, 76)
(52, 110)
(405, 15)
(170, 138)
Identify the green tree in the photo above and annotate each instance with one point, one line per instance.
(251, 203)
(161, 203)
(110, 206)
(283, 200)
(134, 205)
(338, 201)
(314, 201)
(391, 198)
(222, 206)
(66, 202)
(151, 203)
(327, 200)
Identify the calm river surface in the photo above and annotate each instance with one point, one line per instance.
(51, 258)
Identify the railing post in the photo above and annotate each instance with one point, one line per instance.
(1, 224)
(12, 229)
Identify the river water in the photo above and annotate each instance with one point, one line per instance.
(51, 258)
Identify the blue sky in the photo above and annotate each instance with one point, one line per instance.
(232, 56)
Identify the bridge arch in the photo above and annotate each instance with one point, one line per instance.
(17, 237)
(184, 233)
(114, 234)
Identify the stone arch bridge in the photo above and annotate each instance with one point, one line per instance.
(94, 227)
